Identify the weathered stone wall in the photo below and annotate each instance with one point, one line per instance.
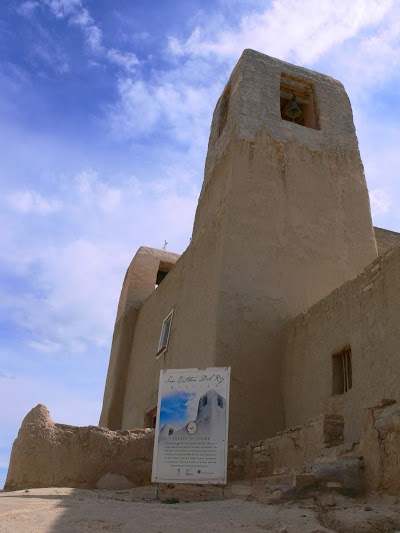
(288, 451)
(380, 446)
(46, 454)
(386, 239)
(364, 314)
(311, 457)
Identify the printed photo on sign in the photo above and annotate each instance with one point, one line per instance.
(191, 430)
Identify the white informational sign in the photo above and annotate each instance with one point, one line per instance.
(191, 436)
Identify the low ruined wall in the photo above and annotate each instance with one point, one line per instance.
(287, 450)
(46, 454)
(380, 446)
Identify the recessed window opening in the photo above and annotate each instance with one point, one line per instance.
(297, 101)
(223, 109)
(342, 371)
(204, 401)
(165, 331)
(150, 418)
(220, 401)
(163, 270)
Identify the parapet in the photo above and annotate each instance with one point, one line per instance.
(146, 271)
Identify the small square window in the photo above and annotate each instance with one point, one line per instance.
(162, 272)
(150, 418)
(165, 331)
(342, 378)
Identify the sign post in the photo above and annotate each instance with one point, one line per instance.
(191, 435)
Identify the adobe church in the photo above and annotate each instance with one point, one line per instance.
(285, 279)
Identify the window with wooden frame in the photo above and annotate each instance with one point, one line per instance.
(165, 331)
(342, 377)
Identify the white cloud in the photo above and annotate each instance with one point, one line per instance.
(28, 201)
(78, 15)
(27, 8)
(94, 37)
(3, 375)
(126, 60)
(64, 8)
(45, 346)
(381, 201)
(177, 103)
(82, 18)
(74, 282)
(298, 29)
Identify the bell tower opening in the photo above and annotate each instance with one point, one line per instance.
(297, 102)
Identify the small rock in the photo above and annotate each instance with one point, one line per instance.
(283, 530)
(26, 490)
(367, 508)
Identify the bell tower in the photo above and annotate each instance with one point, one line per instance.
(284, 193)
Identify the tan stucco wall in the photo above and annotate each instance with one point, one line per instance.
(295, 225)
(191, 290)
(283, 218)
(138, 284)
(385, 239)
(363, 313)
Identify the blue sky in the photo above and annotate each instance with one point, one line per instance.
(105, 113)
(176, 408)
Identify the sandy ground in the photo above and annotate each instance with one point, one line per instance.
(71, 510)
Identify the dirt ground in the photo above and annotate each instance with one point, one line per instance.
(71, 510)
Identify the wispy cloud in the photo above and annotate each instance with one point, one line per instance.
(126, 60)
(3, 375)
(381, 201)
(74, 12)
(27, 8)
(28, 201)
(76, 281)
(64, 8)
(325, 25)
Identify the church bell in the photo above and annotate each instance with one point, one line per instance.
(292, 109)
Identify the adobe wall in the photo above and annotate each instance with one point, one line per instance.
(47, 454)
(283, 218)
(380, 446)
(138, 284)
(385, 239)
(191, 290)
(363, 313)
(296, 224)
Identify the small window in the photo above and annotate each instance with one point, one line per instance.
(342, 372)
(162, 272)
(204, 401)
(165, 331)
(150, 418)
(220, 401)
(223, 110)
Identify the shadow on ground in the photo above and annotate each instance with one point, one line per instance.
(74, 510)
